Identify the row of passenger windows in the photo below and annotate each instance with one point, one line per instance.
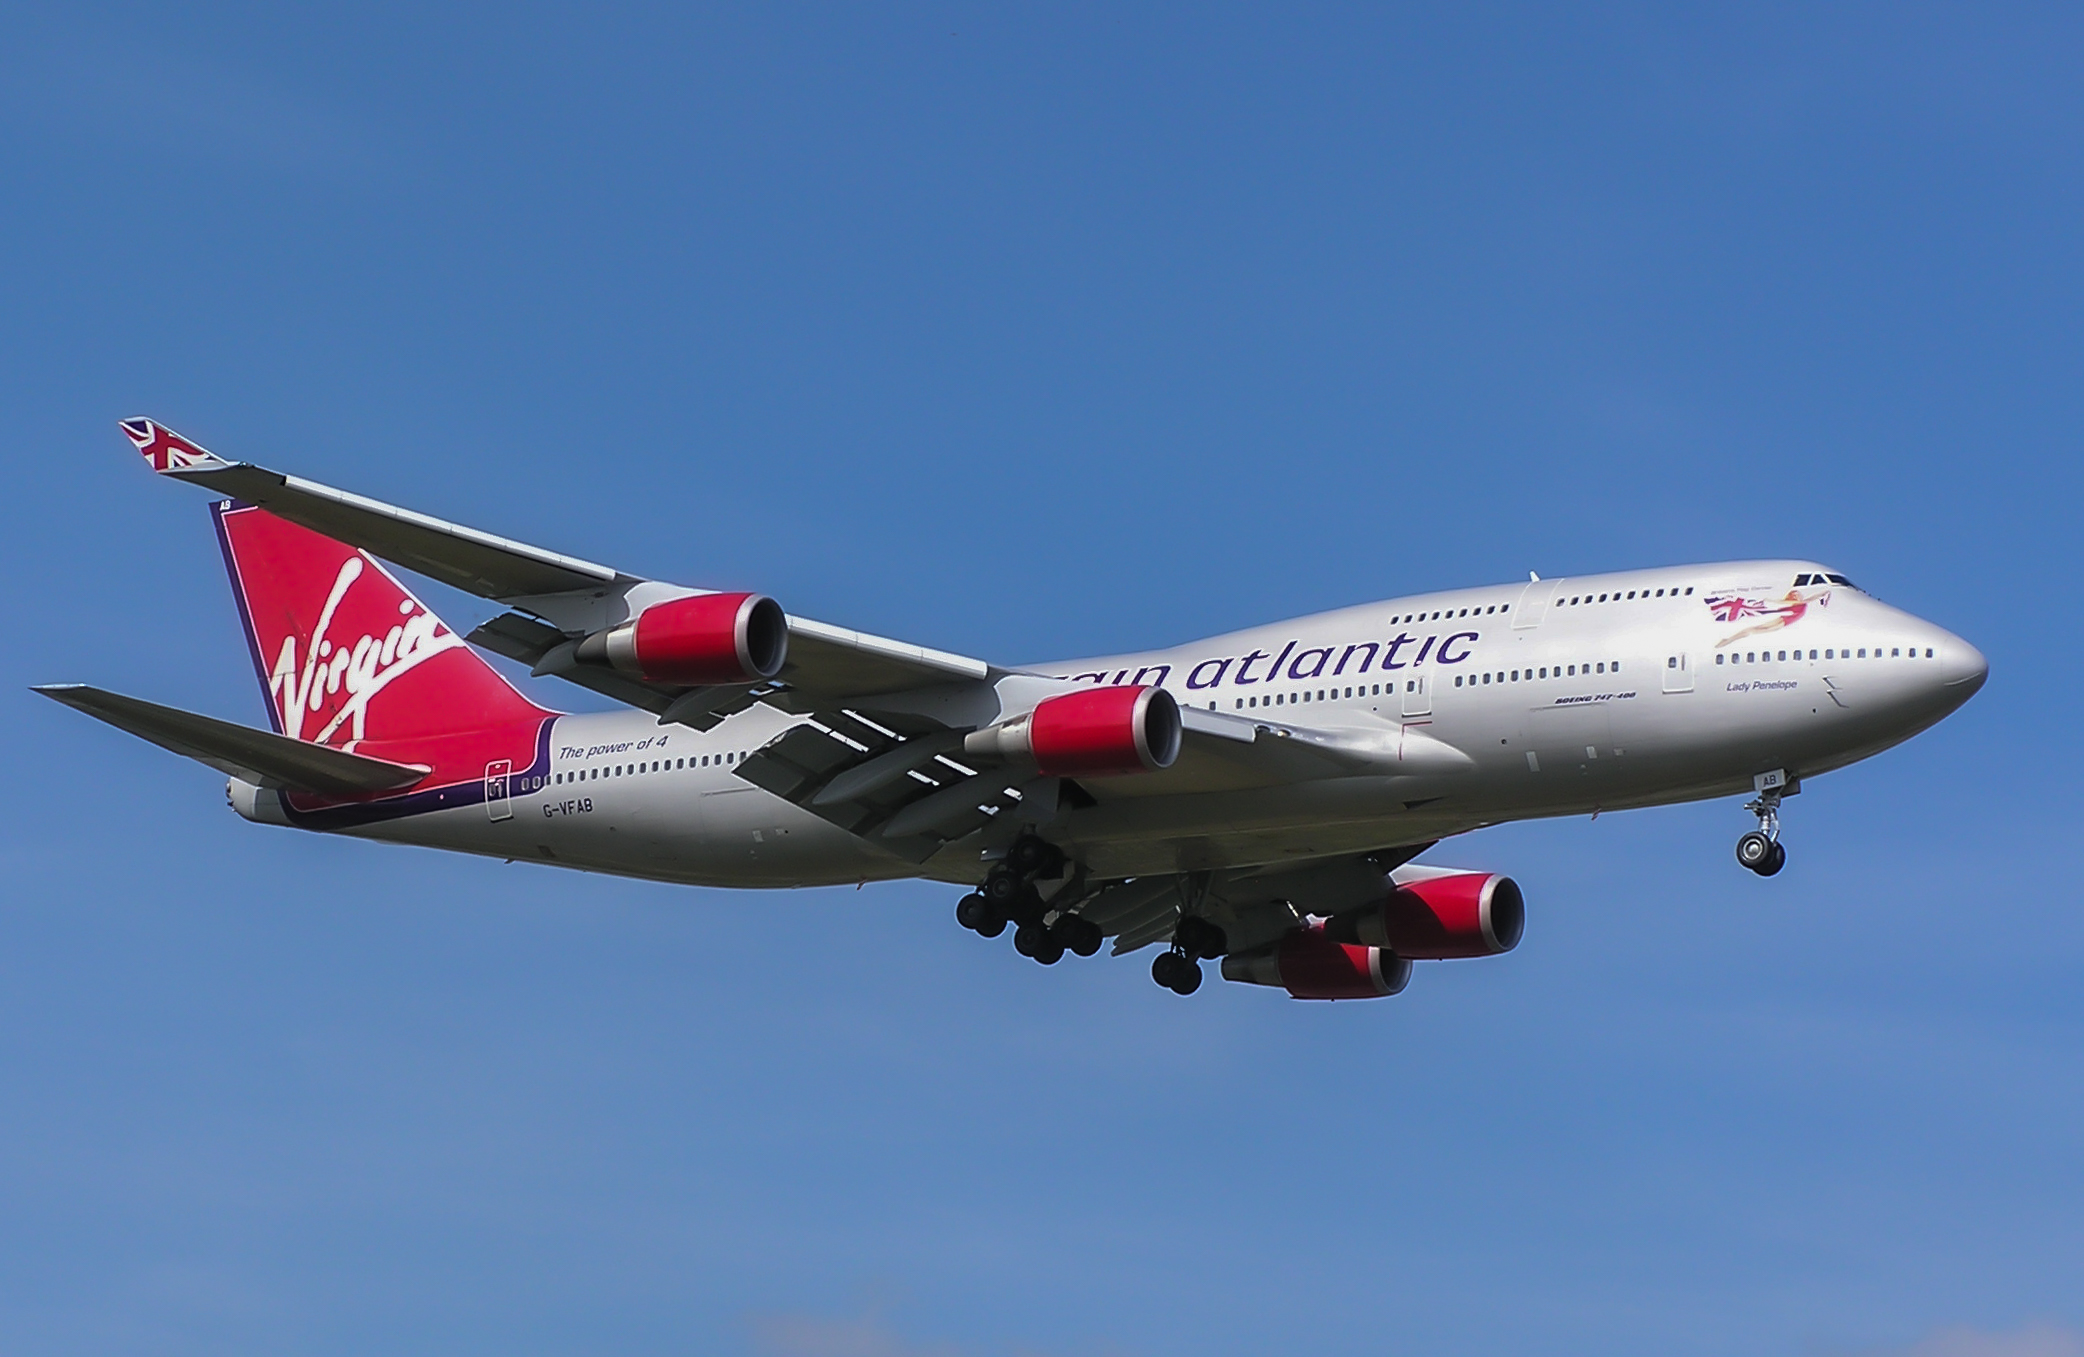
(1529, 675)
(655, 766)
(1767, 656)
(1615, 597)
(1411, 685)
(1308, 695)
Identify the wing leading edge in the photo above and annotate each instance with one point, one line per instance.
(556, 597)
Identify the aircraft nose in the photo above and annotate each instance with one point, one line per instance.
(1962, 668)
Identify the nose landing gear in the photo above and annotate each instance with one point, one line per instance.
(1760, 849)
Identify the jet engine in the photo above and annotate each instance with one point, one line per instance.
(1098, 732)
(706, 639)
(1310, 965)
(1443, 917)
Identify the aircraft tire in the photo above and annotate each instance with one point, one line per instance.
(1081, 936)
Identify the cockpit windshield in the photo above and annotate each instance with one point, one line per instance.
(1802, 581)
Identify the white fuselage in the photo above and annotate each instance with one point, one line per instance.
(1565, 696)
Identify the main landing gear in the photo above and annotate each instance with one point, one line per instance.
(1008, 895)
(1195, 940)
(1760, 850)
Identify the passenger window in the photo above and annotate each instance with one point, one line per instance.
(1718, 659)
(1783, 654)
(1895, 652)
(1928, 652)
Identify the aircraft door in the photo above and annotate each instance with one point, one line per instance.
(1418, 695)
(497, 777)
(1678, 674)
(1533, 604)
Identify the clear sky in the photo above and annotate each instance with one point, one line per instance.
(1031, 332)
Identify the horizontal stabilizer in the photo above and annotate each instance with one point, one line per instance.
(257, 756)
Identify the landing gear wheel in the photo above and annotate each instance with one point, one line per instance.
(1030, 939)
(1050, 952)
(1772, 865)
(990, 923)
(1081, 936)
(969, 911)
(1755, 850)
(1176, 973)
(1003, 888)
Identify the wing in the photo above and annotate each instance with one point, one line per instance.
(880, 754)
(557, 598)
(257, 756)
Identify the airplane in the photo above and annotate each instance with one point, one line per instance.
(1258, 799)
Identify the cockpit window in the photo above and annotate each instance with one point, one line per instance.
(1802, 580)
(1839, 579)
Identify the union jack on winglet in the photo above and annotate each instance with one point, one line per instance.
(167, 450)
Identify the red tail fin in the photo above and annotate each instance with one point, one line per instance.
(346, 653)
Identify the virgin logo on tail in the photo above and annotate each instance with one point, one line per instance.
(345, 652)
(354, 672)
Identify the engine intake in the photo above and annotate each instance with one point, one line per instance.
(1445, 917)
(1098, 732)
(1310, 965)
(703, 640)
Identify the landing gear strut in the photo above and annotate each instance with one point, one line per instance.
(1760, 849)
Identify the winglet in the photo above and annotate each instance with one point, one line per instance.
(166, 450)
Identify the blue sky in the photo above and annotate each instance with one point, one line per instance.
(1031, 332)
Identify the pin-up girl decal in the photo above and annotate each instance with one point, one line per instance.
(1772, 615)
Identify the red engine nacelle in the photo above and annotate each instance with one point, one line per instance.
(1099, 732)
(702, 640)
(1310, 965)
(1446, 916)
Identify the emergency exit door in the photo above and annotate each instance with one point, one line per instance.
(1418, 695)
(497, 776)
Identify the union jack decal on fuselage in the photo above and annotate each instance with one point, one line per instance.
(1774, 614)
